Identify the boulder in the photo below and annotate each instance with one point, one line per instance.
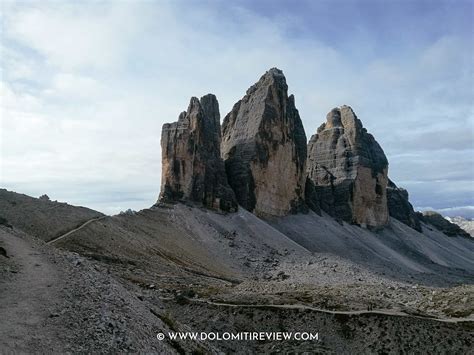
(349, 170)
(264, 148)
(192, 167)
(399, 206)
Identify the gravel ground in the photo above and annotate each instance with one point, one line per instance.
(57, 301)
(112, 285)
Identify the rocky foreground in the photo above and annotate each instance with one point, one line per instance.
(113, 284)
(254, 231)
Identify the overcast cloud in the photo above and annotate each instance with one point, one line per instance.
(86, 86)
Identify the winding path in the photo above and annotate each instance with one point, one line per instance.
(75, 229)
(386, 312)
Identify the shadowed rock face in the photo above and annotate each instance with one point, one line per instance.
(264, 148)
(312, 196)
(399, 206)
(442, 224)
(192, 168)
(349, 170)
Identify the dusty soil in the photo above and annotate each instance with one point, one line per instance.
(58, 302)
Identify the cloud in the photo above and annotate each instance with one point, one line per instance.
(87, 86)
(453, 137)
(75, 87)
(74, 35)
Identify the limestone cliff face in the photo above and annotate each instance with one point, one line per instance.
(264, 148)
(399, 206)
(349, 170)
(192, 168)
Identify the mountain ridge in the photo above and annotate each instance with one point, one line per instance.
(252, 231)
(272, 170)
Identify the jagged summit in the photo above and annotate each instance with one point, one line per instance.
(271, 75)
(192, 167)
(349, 170)
(264, 148)
(259, 159)
(275, 71)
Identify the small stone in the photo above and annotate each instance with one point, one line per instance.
(77, 262)
(282, 276)
(3, 252)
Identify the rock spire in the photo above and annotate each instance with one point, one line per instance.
(349, 170)
(264, 148)
(192, 167)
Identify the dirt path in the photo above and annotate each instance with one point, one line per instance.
(27, 298)
(386, 312)
(54, 301)
(75, 229)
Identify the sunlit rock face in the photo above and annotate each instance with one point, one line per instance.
(264, 149)
(349, 170)
(192, 167)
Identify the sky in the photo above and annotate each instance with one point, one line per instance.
(86, 86)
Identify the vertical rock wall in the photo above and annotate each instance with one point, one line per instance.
(260, 160)
(192, 167)
(400, 208)
(264, 148)
(349, 170)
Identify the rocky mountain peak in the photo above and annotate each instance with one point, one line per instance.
(264, 148)
(210, 106)
(260, 160)
(192, 167)
(272, 77)
(349, 170)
